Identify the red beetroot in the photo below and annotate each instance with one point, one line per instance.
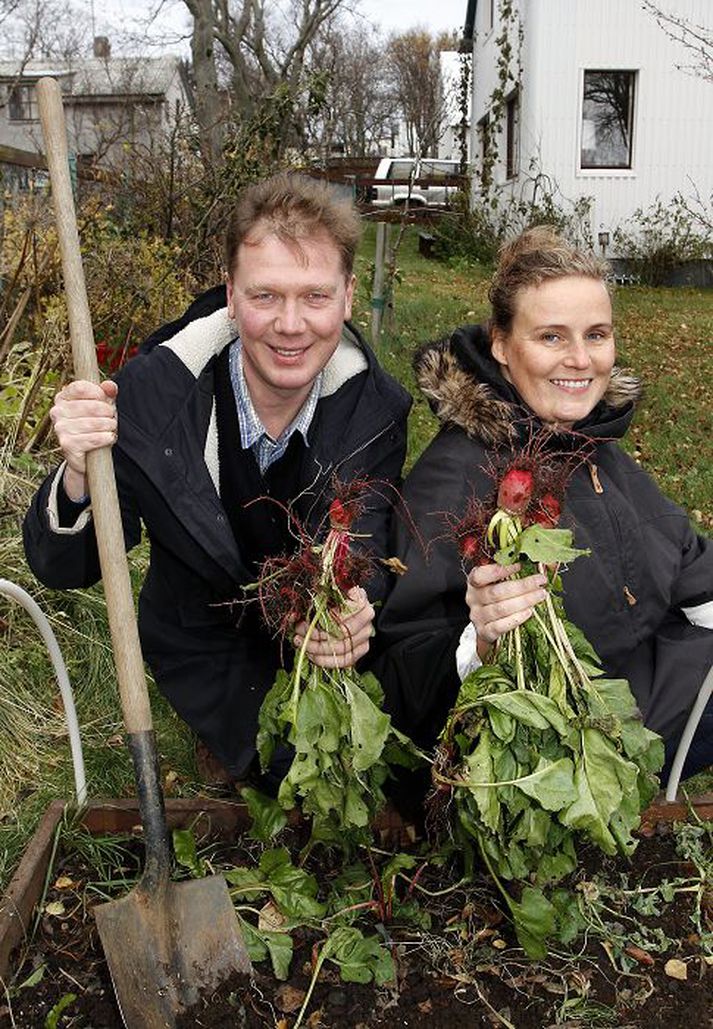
(342, 566)
(340, 515)
(469, 547)
(515, 490)
(548, 511)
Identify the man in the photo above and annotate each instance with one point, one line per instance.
(246, 407)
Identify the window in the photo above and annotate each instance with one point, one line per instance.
(486, 161)
(400, 170)
(434, 169)
(607, 119)
(512, 135)
(22, 104)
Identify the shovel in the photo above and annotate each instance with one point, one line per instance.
(167, 944)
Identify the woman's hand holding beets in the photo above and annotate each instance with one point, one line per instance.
(498, 603)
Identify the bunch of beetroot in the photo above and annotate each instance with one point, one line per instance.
(343, 742)
(288, 583)
(529, 491)
(541, 749)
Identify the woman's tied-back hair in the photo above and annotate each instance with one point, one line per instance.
(294, 208)
(535, 255)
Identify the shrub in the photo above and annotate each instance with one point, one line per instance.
(134, 283)
(476, 230)
(656, 239)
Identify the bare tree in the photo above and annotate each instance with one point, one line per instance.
(265, 45)
(206, 96)
(41, 28)
(697, 39)
(418, 88)
(352, 102)
(7, 9)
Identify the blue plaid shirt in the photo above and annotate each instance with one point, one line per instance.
(252, 432)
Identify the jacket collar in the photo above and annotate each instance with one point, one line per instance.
(464, 387)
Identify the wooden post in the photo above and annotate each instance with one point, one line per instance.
(378, 299)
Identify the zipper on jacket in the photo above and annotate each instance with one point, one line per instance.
(594, 473)
(630, 598)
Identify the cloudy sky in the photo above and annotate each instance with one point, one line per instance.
(112, 16)
(436, 15)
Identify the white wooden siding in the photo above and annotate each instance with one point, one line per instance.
(673, 113)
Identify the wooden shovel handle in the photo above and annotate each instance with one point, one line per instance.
(100, 468)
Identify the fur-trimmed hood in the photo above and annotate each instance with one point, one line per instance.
(464, 387)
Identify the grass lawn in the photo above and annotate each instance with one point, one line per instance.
(664, 336)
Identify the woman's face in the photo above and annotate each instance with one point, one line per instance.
(559, 352)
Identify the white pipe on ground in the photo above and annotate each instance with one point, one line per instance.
(10, 589)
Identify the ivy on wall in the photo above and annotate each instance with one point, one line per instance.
(508, 44)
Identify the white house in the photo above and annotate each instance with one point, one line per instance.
(111, 104)
(453, 69)
(590, 96)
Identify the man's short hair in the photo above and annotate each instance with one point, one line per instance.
(293, 207)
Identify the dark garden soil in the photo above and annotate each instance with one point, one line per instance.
(464, 970)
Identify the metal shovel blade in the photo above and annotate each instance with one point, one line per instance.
(168, 947)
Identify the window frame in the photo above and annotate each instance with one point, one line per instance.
(609, 170)
(512, 135)
(484, 129)
(22, 98)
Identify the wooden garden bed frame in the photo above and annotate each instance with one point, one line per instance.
(120, 816)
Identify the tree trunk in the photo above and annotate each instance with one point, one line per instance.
(206, 97)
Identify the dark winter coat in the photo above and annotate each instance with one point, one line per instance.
(212, 662)
(647, 563)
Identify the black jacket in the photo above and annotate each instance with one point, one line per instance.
(214, 665)
(647, 563)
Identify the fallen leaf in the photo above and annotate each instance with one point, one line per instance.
(271, 919)
(499, 944)
(676, 969)
(642, 956)
(64, 883)
(288, 998)
(55, 907)
(395, 565)
(425, 1007)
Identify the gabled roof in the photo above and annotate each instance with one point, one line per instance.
(100, 77)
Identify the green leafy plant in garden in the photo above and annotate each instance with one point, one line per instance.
(541, 748)
(667, 233)
(344, 744)
(274, 897)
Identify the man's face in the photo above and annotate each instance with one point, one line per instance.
(289, 305)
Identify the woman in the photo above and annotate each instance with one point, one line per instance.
(645, 596)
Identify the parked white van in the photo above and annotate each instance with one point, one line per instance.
(411, 169)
